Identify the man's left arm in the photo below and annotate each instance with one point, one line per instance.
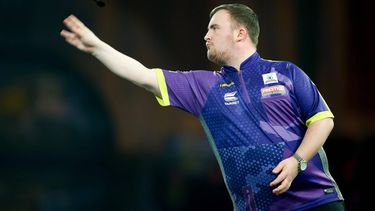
(315, 136)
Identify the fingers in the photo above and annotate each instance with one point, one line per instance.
(277, 169)
(76, 21)
(71, 38)
(67, 34)
(281, 177)
(286, 174)
(74, 24)
(284, 183)
(79, 35)
(283, 187)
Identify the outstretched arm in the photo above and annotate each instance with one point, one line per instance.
(85, 40)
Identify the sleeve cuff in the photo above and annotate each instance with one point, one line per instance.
(319, 116)
(164, 99)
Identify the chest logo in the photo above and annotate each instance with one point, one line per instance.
(273, 90)
(270, 78)
(230, 98)
(223, 85)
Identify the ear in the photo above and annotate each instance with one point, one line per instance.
(241, 34)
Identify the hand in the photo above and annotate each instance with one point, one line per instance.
(287, 170)
(79, 35)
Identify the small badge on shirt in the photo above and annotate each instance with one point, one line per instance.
(270, 78)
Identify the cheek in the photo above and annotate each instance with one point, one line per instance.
(223, 38)
(225, 42)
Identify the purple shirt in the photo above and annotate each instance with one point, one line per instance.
(254, 118)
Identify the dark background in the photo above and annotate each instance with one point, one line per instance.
(74, 136)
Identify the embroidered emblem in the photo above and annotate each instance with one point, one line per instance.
(223, 85)
(270, 78)
(230, 98)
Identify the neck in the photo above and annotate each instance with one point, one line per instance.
(240, 56)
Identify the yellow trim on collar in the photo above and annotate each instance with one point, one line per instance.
(164, 99)
(319, 116)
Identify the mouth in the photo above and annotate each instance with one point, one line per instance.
(208, 45)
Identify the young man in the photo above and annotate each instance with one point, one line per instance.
(265, 120)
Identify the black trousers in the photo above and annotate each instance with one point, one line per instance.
(332, 206)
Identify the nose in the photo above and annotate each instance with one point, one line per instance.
(206, 37)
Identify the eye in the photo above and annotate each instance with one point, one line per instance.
(214, 27)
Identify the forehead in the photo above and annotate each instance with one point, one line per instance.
(221, 17)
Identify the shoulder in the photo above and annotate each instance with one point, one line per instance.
(198, 75)
(284, 67)
(287, 65)
(196, 79)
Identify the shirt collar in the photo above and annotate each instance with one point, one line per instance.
(245, 64)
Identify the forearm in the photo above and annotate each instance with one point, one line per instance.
(127, 67)
(315, 136)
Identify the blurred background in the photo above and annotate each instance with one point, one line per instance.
(74, 136)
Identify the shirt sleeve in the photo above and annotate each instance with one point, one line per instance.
(311, 103)
(186, 90)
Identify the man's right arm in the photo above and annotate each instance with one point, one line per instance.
(85, 40)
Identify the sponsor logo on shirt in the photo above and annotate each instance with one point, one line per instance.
(273, 90)
(230, 98)
(270, 78)
(223, 85)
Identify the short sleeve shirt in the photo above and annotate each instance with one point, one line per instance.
(254, 118)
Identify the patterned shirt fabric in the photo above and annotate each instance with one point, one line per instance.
(254, 118)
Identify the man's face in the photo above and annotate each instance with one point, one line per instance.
(220, 37)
